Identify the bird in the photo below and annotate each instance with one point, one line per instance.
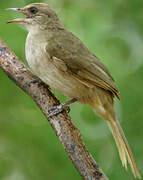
(63, 61)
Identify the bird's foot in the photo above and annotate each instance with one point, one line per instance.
(36, 80)
(57, 109)
(39, 82)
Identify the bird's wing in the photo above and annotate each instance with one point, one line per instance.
(80, 62)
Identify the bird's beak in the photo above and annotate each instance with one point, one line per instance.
(14, 9)
(19, 20)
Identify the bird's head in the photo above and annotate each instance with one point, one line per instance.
(36, 14)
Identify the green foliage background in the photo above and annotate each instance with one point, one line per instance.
(29, 149)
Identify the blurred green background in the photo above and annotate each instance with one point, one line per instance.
(29, 149)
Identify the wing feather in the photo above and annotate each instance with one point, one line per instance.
(80, 62)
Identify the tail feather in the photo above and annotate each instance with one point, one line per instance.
(123, 147)
(103, 105)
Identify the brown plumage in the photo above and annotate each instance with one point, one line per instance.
(63, 62)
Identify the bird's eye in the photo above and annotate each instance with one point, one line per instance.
(33, 10)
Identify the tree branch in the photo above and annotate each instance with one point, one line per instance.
(67, 133)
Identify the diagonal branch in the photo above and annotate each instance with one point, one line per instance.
(67, 133)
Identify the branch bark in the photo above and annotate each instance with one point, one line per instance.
(67, 133)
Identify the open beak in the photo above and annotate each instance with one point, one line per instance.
(19, 20)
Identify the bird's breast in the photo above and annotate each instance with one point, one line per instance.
(52, 71)
(39, 60)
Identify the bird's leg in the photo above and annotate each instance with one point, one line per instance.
(59, 108)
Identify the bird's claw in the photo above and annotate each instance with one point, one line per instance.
(36, 80)
(67, 108)
(57, 109)
(39, 82)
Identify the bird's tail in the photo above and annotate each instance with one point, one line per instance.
(103, 105)
(123, 147)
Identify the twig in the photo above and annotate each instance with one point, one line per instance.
(67, 133)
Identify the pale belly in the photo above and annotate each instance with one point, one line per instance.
(43, 67)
